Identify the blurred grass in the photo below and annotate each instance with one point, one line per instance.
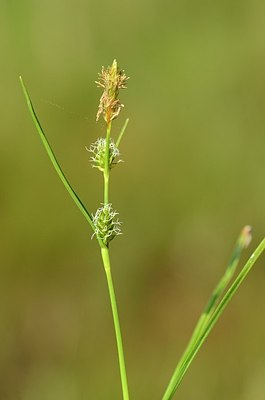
(193, 176)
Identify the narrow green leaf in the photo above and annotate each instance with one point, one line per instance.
(219, 310)
(242, 242)
(208, 321)
(54, 161)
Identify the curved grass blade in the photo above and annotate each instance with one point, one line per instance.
(54, 161)
(243, 241)
(219, 310)
(207, 322)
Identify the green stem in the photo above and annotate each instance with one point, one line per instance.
(106, 262)
(197, 344)
(107, 167)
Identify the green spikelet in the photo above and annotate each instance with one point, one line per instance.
(98, 150)
(106, 227)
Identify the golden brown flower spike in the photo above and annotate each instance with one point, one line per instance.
(111, 79)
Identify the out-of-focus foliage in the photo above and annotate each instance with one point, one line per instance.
(193, 176)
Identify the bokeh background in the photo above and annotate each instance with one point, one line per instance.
(193, 176)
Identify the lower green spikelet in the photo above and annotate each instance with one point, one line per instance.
(106, 227)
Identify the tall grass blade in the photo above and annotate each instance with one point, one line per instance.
(53, 159)
(210, 317)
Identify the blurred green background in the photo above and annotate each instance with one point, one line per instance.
(193, 177)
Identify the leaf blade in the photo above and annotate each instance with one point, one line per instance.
(53, 159)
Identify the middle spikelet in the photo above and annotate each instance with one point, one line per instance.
(98, 150)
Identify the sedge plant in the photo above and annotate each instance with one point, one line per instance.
(106, 226)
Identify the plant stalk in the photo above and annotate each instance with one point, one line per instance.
(106, 263)
(106, 167)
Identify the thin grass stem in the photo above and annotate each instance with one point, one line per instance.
(106, 263)
(197, 344)
(107, 166)
(242, 242)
